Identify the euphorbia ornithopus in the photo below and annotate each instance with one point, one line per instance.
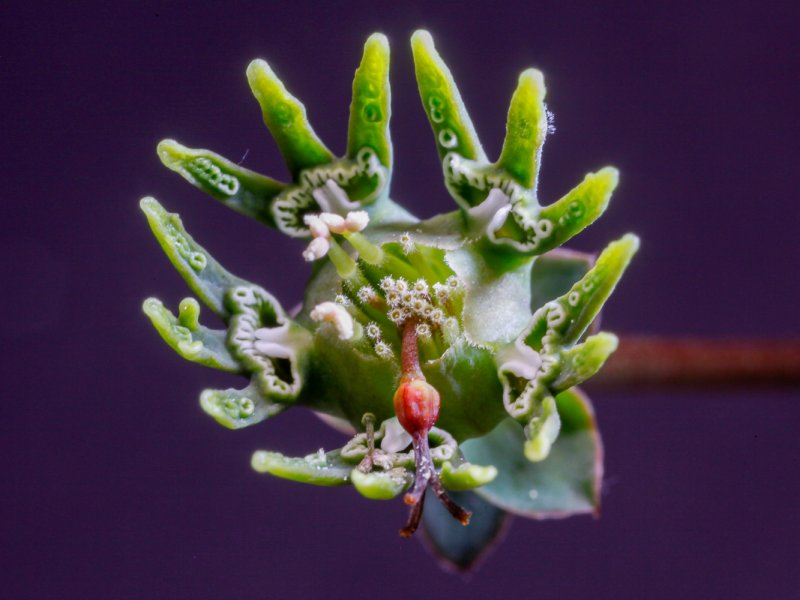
(441, 343)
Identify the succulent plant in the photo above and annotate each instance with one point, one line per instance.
(449, 347)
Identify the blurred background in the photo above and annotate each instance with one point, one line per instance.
(116, 485)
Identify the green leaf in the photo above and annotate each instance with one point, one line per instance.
(318, 468)
(578, 209)
(441, 101)
(371, 108)
(238, 188)
(566, 483)
(205, 276)
(526, 129)
(466, 476)
(584, 360)
(285, 117)
(235, 409)
(567, 318)
(457, 546)
(188, 338)
(380, 485)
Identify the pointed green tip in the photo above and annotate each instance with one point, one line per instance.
(533, 80)
(260, 75)
(537, 449)
(152, 307)
(171, 153)
(377, 40)
(609, 176)
(150, 206)
(630, 243)
(421, 39)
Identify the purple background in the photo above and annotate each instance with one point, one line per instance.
(116, 485)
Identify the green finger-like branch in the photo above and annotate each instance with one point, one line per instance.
(532, 231)
(526, 129)
(205, 276)
(235, 409)
(579, 208)
(442, 103)
(370, 109)
(285, 117)
(188, 338)
(542, 430)
(466, 476)
(318, 469)
(566, 319)
(238, 188)
(582, 361)
(380, 485)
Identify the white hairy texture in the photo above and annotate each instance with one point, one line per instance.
(395, 438)
(336, 315)
(335, 223)
(318, 248)
(357, 220)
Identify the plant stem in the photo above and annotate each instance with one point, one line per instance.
(663, 362)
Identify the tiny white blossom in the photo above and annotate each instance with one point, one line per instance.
(366, 294)
(383, 349)
(373, 331)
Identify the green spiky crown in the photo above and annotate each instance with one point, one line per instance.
(499, 312)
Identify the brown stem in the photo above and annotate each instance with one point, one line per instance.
(409, 354)
(661, 362)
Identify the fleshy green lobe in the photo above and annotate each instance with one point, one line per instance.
(285, 117)
(316, 469)
(441, 101)
(567, 482)
(235, 409)
(466, 476)
(526, 129)
(585, 299)
(579, 208)
(371, 108)
(582, 361)
(380, 485)
(238, 188)
(188, 338)
(205, 276)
